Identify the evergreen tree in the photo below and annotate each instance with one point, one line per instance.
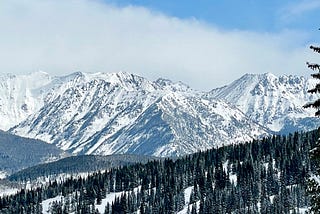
(314, 185)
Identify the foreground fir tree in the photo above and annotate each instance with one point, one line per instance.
(314, 180)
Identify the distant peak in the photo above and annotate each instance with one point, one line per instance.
(268, 77)
(249, 75)
(170, 85)
(73, 76)
(268, 74)
(124, 73)
(258, 77)
(77, 74)
(163, 82)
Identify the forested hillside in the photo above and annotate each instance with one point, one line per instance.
(266, 176)
(17, 153)
(77, 164)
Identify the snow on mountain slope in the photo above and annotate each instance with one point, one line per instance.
(123, 113)
(274, 102)
(88, 106)
(20, 96)
(177, 124)
(23, 95)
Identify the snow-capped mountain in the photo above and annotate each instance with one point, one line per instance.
(274, 102)
(106, 113)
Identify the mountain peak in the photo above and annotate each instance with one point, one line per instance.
(163, 82)
(269, 75)
(169, 85)
(272, 101)
(255, 77)
(73, 77)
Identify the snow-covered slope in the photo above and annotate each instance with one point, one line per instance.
(274, 102)
(24, 95)
(107, 113)
(20, 96)
(179, 124)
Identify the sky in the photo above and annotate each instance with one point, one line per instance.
(205, 43)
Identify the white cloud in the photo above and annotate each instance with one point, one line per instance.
(61, 37)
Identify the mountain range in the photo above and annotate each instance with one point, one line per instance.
(107, 113)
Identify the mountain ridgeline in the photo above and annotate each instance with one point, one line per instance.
(77, 164)
(261, 176)
(117, 113)
(274, 102)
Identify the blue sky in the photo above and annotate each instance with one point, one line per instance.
(229, 14)
(203, 43)
(255, 15)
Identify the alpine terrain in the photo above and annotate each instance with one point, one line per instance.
(107, 113)
(274, 102)
(123, 113)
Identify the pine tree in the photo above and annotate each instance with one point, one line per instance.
(314, 185)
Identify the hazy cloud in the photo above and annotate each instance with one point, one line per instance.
(61, 37)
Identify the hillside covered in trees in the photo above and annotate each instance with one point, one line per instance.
(78, 164)
(17, 152)
(265, 176)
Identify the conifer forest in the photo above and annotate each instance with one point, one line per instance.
(262, 176)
